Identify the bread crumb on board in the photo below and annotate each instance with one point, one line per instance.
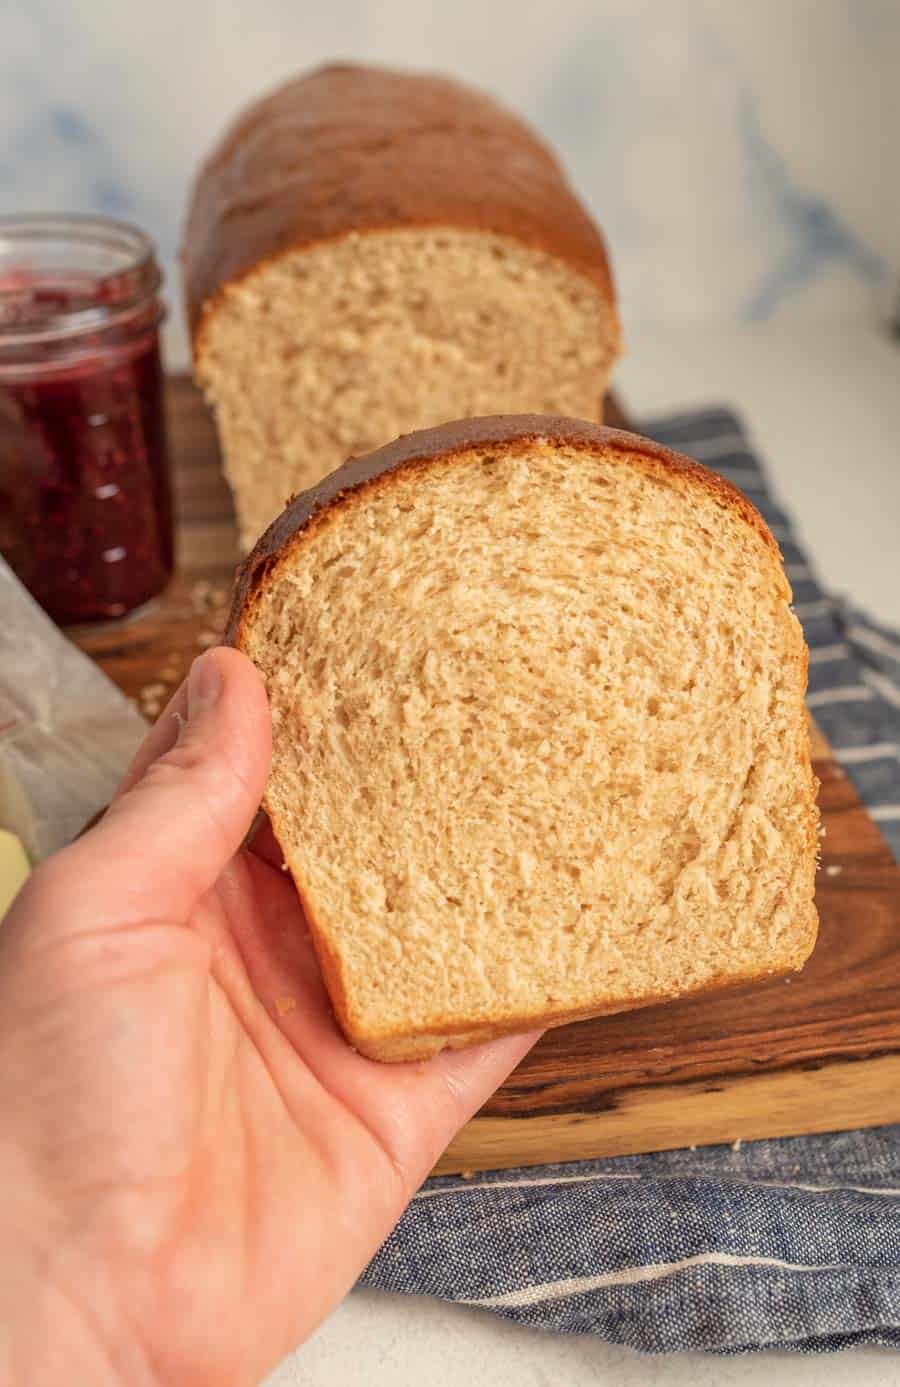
(153, 695)
(150, 699)
(833, 869)
(157, 691)
(211, 601)
(206, 596)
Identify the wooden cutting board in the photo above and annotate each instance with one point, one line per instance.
(817, 1052)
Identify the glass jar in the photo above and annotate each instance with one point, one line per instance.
(85, 510)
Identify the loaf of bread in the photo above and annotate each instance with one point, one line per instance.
(369, 252)
(540, 746)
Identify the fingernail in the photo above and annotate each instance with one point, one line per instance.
(204, 684)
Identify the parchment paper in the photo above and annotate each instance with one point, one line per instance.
(66, 732)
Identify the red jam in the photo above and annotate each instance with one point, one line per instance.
(85, 511)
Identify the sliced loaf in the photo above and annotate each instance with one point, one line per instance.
(369, 252)
(540, 746)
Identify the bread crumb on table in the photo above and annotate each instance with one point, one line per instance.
(205, 597)
(833, 869)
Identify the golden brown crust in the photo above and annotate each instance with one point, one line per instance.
(348, 148)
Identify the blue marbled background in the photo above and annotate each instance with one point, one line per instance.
(740, 154)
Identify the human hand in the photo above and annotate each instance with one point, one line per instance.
(195, 1164)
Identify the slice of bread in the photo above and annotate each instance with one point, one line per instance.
(540, 746)
(369, 252)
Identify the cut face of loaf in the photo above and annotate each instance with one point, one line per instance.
(370, 252)
(540, 747)
(330, 351)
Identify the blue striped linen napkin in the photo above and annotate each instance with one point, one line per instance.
(791, 1244)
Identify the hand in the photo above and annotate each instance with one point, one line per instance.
(195, 1166)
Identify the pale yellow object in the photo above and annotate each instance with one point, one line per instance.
(13, 869)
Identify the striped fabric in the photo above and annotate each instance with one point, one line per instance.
(790, 1244)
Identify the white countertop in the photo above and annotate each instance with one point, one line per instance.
(823, 404)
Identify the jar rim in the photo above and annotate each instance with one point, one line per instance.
(113, 263)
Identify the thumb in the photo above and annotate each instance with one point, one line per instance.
(163, 842)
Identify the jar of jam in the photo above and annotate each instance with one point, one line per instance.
(85, 511)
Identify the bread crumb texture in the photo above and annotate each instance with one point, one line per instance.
(540, 748)
(333, 350)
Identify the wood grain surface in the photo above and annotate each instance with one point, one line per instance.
(819, 1051)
